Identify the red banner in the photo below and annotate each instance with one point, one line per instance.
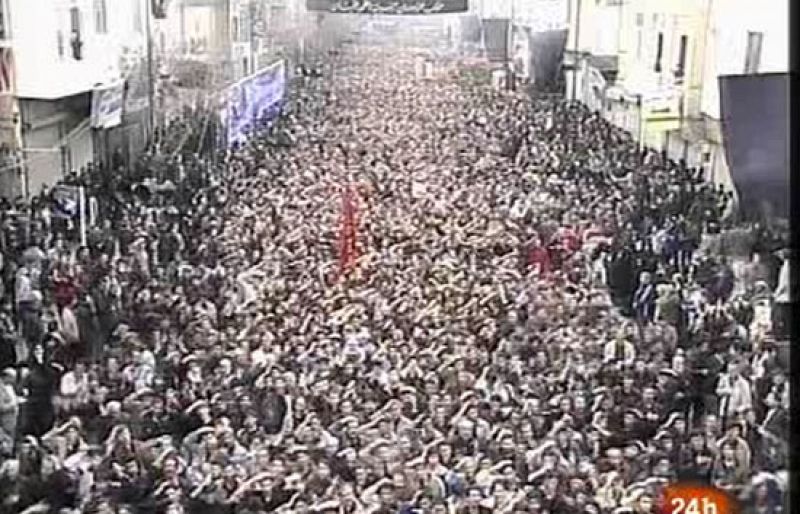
(348, 230)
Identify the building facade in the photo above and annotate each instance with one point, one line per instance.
(10, 154)
(593, 48)
(658, 59)
(538, 28)
(740, 38)
(62, 51)
(653, 66)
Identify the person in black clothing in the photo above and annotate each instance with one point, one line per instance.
(8, 336)
(40, 383)
(622, 278)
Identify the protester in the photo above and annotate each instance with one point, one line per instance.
(471, 351)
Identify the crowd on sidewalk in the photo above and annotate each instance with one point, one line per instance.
(539, 320)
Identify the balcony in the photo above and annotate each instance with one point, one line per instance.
(607, 65)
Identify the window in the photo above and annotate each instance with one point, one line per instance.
(4, 28)
(639, 19)
(680, 69)
(752, 58)
(136, 9)
(659, 52)
(159, 9)
(100, 18)
(244, 28)
(235, 28)
(60, 43)
(638, 44)
(75, 39)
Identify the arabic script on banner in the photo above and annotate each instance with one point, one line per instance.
(254, 101)
(388, 6)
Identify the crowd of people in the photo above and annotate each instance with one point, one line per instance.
(535, 321)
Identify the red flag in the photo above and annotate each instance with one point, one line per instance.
(348, 248)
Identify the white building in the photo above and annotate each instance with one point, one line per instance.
(535, 24)
(527, 19)
(63, 49)
(665, 59)
(10, 155)
(741, 38)
(593, 47)
(744, 38)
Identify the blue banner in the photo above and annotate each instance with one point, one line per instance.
(254, 102)
(65, 201)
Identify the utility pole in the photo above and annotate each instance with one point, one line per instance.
(510, 78)
(252, 8)
(150, 77)
(184, 45)
(576, 50)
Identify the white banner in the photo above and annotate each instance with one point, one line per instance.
(595, 88)
(107, 102)
(498, 79)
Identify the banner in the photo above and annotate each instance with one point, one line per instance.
(522, 53)
(755, 128)
(547, 55)
(348, 232)
(594, 88)
(253, 101)
(136, 89)
(107, 105)
(159, 9)
(495, 39)
(65, 201)
(499, 80)
(470, 28)
(388, 6)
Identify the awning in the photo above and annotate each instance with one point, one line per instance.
(654, 125)
(604, 63)
(619, 94)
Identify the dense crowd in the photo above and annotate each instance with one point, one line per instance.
(537, 321)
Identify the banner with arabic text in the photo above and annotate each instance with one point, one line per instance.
(254, 101)
(388, 6)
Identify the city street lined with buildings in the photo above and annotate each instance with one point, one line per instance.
(387, 264)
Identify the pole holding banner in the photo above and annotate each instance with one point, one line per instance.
(82, 213)
(641, 128)
(94, 211)
(150, 74)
